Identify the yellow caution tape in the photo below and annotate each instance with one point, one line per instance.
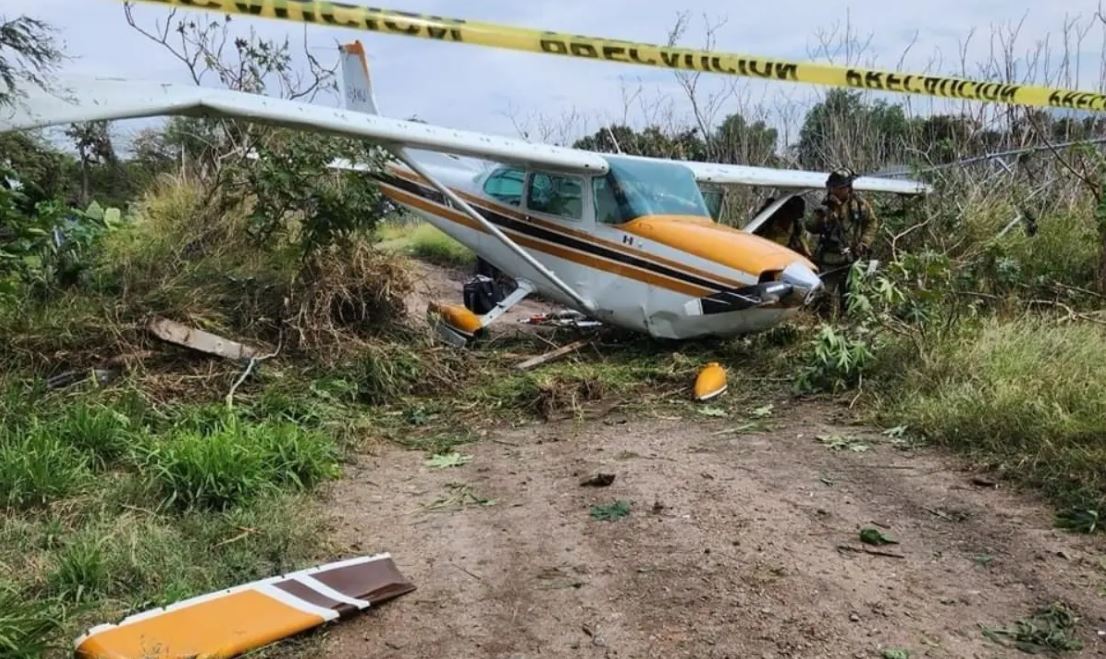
(437, 28)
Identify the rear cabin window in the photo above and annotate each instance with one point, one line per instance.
(506, 185)
(562, 196)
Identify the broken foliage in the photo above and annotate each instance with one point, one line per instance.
(611, 512)
(843, 443)
(870, 536)
(1049, 630)
(448, 460)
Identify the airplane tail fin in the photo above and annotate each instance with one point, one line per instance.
(356, 82)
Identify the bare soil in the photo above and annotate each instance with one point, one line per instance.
(731, 548)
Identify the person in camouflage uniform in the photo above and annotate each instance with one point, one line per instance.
(844, 228)
(785, 227)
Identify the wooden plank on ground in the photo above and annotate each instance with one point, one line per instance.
(550, 356)
(197, 339)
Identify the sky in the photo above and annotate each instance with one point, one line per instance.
(509, 93)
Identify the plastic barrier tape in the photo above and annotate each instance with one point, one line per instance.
(389, 21)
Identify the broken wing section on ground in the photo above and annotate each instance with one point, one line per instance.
(94, 99)
(230, 622)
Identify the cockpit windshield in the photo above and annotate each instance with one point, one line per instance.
(634, 188)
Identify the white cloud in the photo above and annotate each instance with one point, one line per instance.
(475, 88)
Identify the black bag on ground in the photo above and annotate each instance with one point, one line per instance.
(482, 294)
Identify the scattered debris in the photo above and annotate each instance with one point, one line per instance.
(105, 374)
(843, 442)
(611, 512)
(102, 376)
(1078, 520)
(596, 639)
(561, 578)
(715, 412)
(901, 439)
(199, 340)
(870, 536)
(471, 574)
(763, 412)
(898, 432)
(550, 356)
(949, 516)
(869, 551)
(710, 383)
(265, 611)
(1049, 630)
(572, 319)
(598, 480)
(448, 460)
(460, 495)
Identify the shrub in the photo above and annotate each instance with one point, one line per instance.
(835, 361)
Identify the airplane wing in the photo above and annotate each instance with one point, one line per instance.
(94, 99)
(795, 179)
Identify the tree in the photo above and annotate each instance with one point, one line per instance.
(27, 54)
(281, 175)
(844, 130)
(738, 142)
(94, 147)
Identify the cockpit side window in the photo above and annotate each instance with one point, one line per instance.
(556, 195)
(607, 208)
(506, 185)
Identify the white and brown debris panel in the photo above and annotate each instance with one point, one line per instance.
(231, 622)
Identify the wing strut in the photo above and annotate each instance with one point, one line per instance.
(460, 203)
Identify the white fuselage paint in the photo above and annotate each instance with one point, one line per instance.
(619, 300)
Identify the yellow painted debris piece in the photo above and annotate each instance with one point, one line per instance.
(231, 622)
(711, 382)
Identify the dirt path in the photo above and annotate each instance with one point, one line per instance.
(738, 559)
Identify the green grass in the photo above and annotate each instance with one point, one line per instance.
(426, 242)
(1028, 395)
(216, 468)
(38, 467)
(102, 432)
(109, 506)
(25, 625)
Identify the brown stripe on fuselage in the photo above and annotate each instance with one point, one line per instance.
(580, 258)
(481, 202)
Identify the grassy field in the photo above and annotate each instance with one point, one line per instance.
(1026, 395)
(425, 242)
(115, 498)
(113, 504)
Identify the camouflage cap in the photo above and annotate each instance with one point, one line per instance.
(840, 178)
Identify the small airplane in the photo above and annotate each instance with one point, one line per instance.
(624, 240)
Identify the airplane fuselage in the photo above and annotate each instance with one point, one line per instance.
(676, 275)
